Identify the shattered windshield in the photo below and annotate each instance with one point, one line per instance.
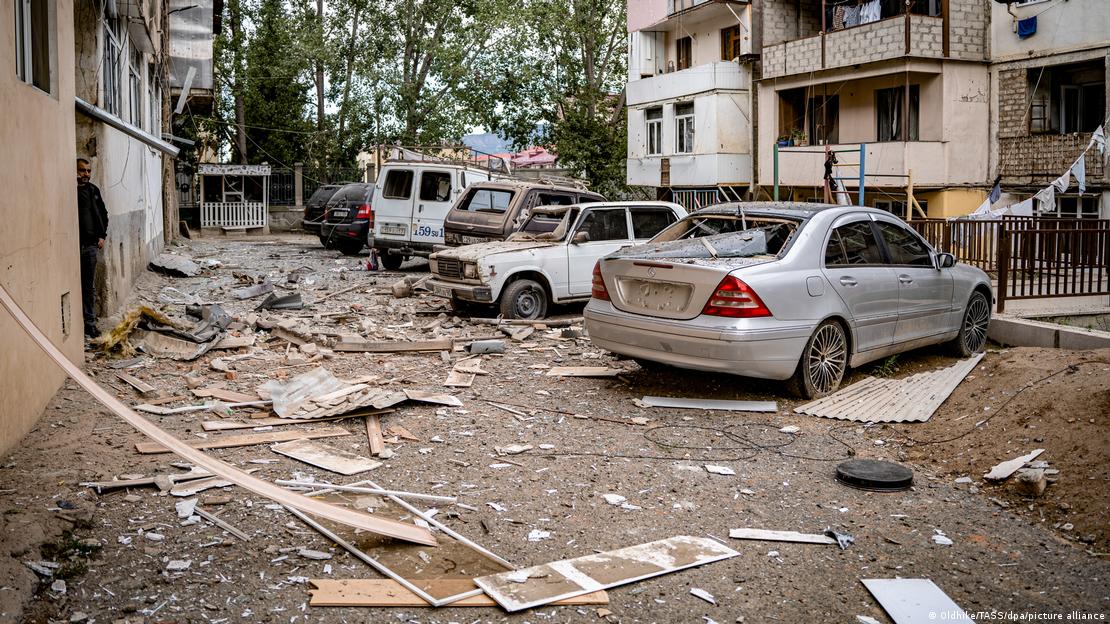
(722, 236)
(545, 226)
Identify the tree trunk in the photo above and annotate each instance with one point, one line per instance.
(169, 173)
(236, 28)
(350, 72)
(320, 69)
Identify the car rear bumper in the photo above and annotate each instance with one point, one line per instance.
(310, 226)
(403, 247)
(454, 290)
(766, 353)
(356, 230)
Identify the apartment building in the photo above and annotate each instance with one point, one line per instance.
(1050, 75)
(690, 99)
(899, 91)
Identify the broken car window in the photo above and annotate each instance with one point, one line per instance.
(487, 200)
(731, 236)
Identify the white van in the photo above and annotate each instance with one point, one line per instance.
(411, 200)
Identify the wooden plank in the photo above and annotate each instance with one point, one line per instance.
(143, 387)
(224, 394)
(544, 584)
(105, 486)
(583, 371)
(342, 515)
(459, 379)
(326, 457)
(250, 439)
(273, 421)
(234, 342)
(374, 434)
(780, 536)
(441, 344)
(390, 593)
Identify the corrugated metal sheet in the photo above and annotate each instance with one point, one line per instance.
(913, 399)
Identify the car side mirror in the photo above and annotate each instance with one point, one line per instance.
(945, 261)
(580, 237)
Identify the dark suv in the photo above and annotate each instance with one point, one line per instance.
(348, 218)
(314, 207)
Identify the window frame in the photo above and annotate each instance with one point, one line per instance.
(731, 42)
(683, 53)
(591, 211)
(654, 131)
(111, 78)
(441, 174)
(34, 29)
(884, 260)
(403, 172)
(888, 251)
(912, 117)
(671, 217)
(135, 85)
(680, 121)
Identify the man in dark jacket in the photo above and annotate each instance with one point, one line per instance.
(93, 227)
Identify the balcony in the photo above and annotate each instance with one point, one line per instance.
(721, 75)
(1038, 159)
(878, 41)
(931, 162)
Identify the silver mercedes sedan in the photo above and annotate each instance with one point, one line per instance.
(785, 291)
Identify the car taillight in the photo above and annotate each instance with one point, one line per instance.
(733, 298)
(598, 290)
(364, 212)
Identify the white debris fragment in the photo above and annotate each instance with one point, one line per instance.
(704, 595)
(58, 587)
(748, 492)
(790, 429)
(499, 466)
(496, 507)
(536, 535)
(719, 470)
(154, 537)
(124, 539)
(614, 499)
(177, 565)
(185, 508)
(547, 447)
(518, 576)
(327, 568)
(630, 507)
(866, 619)
(308, 553)
(513, 449)
(963, 480)
(941, 539)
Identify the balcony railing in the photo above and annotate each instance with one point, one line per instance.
(724, 75)
(1040, 158)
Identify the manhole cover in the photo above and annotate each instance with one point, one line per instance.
(872, 474)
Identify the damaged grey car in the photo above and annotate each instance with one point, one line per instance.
(785, 291)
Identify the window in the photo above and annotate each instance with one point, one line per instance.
(824, 119)
(654, 118)
(684, 128)
(1075, 207)
(398, 184)
(897, 207)
(113, 50)
(852, 245)
(905, 247)
(731, 43)
(553, 199)
(32, 43)
(888, 113)
(154, 100)
(1067, 98)
(684, 49)
(135, 84)
(435, 186)
(487, 200)
(647, 222)
(605, 225)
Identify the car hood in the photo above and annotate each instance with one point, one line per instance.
(481, 250)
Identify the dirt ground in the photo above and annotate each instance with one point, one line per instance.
(1042, 555)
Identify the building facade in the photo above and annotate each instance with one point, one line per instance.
(899, 92)
(1050, 76)
(689, 97)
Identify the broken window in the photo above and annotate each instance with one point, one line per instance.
(1074, 207)
(1067, 98)
(647, 222)
(888, 113)
(435, 186)
(605, 225)
(853, 244)
(684, 49)
(731, 39)
(32, 43)
(487, 200)
(654, 118)
(398, 184)
(905, 247)
(684, 128)
(135, 82)
(110, 70)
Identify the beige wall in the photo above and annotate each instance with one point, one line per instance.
(644, 13)
(1061, 27)
(38, 225)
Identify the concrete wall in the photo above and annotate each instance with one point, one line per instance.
(1062, 27)
(644, 13)
(38, 236)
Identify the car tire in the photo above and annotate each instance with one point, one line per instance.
(823, 363)
(391, 262)
(651, 365)
(524, 299)
(348, 247)
(326, 242)
(973, 327)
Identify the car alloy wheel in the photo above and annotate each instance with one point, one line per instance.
(825, 358)
(976, 320)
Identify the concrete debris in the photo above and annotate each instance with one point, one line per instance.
(250, 292)
(186, 508)
(719, 470)
(536, 535)
(58, 587)
(315, 555)
(1002, 471)
(940, 539)
(174, 265)
(179, 565)
(42, 568)
(704, 595)
(513, 449)
(1031, 481)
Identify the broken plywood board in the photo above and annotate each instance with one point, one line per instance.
(234, 342)
(912, 399)
(1005, 469)
(583, 371)
(374, 434)
(780, 536)
(249, 439)
(710, 404)
(914, 601)
(390, 593)
(224, 394)
(347, 517)
(326, 457)
(362, 346)
(231, 425)
(559, 580)
(161, 345)
(143, 387)
(459, 379)
(432, 397)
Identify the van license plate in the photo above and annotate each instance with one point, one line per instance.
(393, 230)
(473, 240)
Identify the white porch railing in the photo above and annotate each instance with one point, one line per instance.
(233, 214)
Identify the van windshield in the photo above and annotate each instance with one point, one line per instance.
(487, 200)
(545, 226)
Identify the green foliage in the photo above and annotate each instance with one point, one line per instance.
(886, 368)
